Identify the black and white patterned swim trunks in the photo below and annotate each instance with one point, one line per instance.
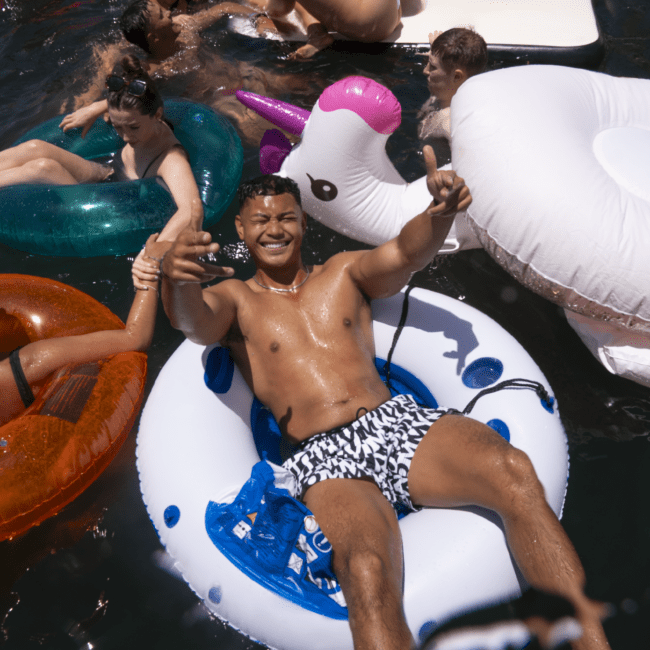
(379, 445)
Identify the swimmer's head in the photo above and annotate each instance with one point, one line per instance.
(134, 24)
(461, 48)
(130, 87)
(148, 25)
(268, 185)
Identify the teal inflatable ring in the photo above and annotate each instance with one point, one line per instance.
(96, 219)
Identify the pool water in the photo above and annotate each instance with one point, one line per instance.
(95, 575)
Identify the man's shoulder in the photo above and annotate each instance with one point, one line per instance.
(342, 259)
(232, 287)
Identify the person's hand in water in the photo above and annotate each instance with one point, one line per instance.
(318, 38)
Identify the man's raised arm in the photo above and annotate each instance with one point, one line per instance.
(204, 316)
(383, 271)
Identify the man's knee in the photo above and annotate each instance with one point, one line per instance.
(365, 573)
(517, 480)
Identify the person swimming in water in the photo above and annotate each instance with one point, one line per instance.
(171, 47)
(456, 55)
(135, 109)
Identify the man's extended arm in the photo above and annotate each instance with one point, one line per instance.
(203, 316)
(383, 271)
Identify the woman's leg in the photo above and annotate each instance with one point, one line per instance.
(36, 161)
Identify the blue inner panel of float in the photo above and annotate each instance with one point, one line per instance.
(402, 382)
(266, 432)
(275, 541)
(219, 370)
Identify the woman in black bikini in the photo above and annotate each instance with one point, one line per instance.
(135, 109)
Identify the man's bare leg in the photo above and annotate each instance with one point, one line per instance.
(463, 462)
(367, 559)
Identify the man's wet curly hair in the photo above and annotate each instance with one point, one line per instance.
(268, 185)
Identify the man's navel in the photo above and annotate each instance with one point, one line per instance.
(274, 347)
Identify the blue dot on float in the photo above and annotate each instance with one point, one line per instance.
(171, 516)
(548, 405)
(426, 629)
(500, 427)
(215, 595)
(482, 372)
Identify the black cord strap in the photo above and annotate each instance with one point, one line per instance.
(514, 384)
(510, 384)
(398, 333)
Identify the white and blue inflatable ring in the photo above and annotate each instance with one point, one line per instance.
(196, 447)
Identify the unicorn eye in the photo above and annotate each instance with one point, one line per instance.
(322, 189)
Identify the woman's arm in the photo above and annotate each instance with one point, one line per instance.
(41, 358)
(84, 117)
(175, 170)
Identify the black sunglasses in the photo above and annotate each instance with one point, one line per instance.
(137, 87)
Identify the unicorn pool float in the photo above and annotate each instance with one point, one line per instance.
(557, 160)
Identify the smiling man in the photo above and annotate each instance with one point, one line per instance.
(302, 337)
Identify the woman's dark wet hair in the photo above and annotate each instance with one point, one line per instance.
(461, 48)
(130, 69)
(268, 185)
(134, 23)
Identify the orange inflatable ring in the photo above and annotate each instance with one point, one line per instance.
(59, 445)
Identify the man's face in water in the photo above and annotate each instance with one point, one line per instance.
(160, 24)
(272, 227)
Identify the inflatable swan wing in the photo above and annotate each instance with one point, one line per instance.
(346, 179)
(558, 161)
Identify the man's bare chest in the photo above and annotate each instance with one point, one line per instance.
(278, 322)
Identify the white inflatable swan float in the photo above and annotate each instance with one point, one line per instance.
(558, 161)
